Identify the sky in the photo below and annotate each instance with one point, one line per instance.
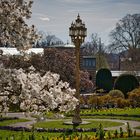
(100, 16)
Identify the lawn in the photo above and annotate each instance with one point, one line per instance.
(111, 117)
(7, 134)
(60, 124)
(115, 111)
(7, 122)
(102, 114)
(137, 127)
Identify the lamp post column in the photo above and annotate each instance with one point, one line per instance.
(77, 32)
(76, 118)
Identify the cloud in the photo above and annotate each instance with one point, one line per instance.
(44, 18)
(77, 1)
(99, 16)
(80, 11)
(41, 16)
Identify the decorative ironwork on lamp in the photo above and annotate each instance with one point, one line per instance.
(77, 31)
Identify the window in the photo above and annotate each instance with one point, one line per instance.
(89, 62)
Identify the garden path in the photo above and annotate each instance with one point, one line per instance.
(133, 124)
(22, 115)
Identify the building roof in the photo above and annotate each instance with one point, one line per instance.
(62, 45)
(14, 51)
(118, 73)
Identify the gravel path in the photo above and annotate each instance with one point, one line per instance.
(28, 124)
(22, 116)
(132, 124)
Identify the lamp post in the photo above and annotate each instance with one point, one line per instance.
(77, 32)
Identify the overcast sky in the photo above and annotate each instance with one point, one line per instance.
(100, 16)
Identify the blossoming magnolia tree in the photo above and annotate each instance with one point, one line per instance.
(33, 92)
(13, 28)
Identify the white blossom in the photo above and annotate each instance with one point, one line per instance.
(14, 31)
(35, 93)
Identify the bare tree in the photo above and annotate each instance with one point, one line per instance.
(48, 40)
(126, 37)
(101, 61)
(126, 34)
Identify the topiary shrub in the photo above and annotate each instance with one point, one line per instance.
(116, 93)
(126, 83)
(104, 79)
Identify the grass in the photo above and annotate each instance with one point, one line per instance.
(133, 138)
(4, 134)
(59, 124)
(38, 136)
(101, 114)
(138, 127)
(8, 122)
(111, 117)
(115, 111)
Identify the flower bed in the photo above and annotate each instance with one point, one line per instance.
(50, 130)
(67, 134)
(8, 118)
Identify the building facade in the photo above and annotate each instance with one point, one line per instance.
(87, 63)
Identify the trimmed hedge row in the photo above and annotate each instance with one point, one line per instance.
(124, 83)
(104, 79)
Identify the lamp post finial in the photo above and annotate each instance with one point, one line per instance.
(78, 16)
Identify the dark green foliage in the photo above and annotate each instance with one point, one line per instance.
(116, 133)
(109, 135)
(104, 79)
(100, 133)
(43, 138)
(32, 137)
(14, 107)
(64, 137)
(81, 136)
(129, 130)
(70, 138)
(135, 133)
(86, 137)
(126, 83)
(121, 132)
(13, 137)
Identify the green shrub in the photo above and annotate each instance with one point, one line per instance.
(116, 94)
(126, 83)
(104, 79)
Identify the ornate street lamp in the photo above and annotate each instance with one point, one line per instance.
(77, 32)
